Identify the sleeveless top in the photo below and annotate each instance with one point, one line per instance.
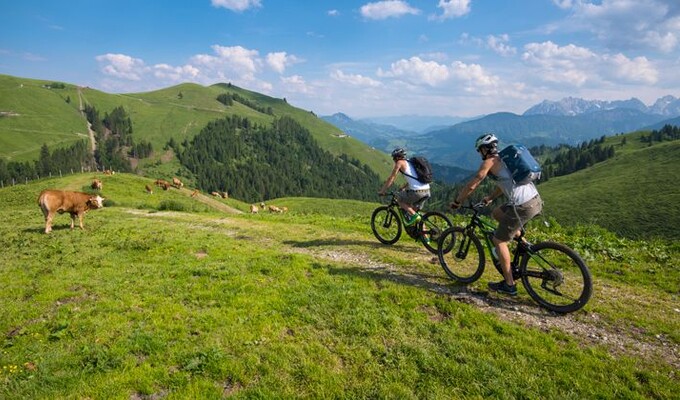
(516, 194)
(413, 183)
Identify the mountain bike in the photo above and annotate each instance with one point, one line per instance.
(553, 274)
(388, 221)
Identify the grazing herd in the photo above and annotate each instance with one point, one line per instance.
(52, 202)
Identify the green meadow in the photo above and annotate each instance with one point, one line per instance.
(170, 296)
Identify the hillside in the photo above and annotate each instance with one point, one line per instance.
(33, 115)
(633, 193)
(164, 295)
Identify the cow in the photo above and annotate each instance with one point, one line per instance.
(215, 194)
(96, 184)
(149, 190)
(61, 201)
(194, 193)
(253, 209)
(177, 183)
(224, 195)
(275, 209)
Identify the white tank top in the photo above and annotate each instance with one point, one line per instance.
(413, 183)
(517, 194)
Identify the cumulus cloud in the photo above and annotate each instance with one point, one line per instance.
(575, 66)
(499, 44)
(418, 71)
(236, 64)
(122, 66)
(279, 61)
(333, 13)
(431, 73)
(296, 84)
(453, 9)
(354, 79)
(387, 9)
(627, 24)
(236, 5)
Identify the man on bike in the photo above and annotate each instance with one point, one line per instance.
(413, 193)
(523, 204)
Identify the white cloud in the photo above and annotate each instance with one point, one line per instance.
(499, 44)
(122, 66)
(296, 84)
(627, 24)
(236, 5)
(237, 60)
(280, 60)
(637, 70)
(575, 66)
(418, 71)
(354, 79)
(559, 64)
(453, 9)
(175, 74)
(387, 9)
(333, 13)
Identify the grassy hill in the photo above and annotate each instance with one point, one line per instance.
(634, 193)
(168, 295)
(35, 115)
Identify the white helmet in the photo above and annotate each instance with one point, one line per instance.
(487, 139)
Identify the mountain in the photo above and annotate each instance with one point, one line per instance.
(455, 145)
(668, 106)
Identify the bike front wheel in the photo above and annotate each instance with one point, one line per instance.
(431, 228)
(556, 277)
(386, 225)
(461, 255)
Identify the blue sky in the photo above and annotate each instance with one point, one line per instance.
(363, 58)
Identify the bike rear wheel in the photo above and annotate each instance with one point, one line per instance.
(556, 277)
(386, 225)
(431, 227)
(461, 255)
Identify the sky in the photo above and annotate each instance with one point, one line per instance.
(460, 58)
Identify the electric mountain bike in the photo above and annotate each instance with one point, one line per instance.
(553, 274)
(388, 221)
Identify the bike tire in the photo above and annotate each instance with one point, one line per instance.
(556, 277)
(433, 224)
(386, 225)
(461, 255)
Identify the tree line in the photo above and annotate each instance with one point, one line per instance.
(667, 133)
(74, 158)
(256, 162)
(228, 100)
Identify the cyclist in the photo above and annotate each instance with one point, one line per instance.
(413, 193)
(523, 204)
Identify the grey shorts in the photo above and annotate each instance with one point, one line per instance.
(413, 197)
(510, 223)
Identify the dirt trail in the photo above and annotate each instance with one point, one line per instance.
(93, 143)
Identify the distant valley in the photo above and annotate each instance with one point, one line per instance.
(567, 121)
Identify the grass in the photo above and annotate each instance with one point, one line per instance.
(632, 194)
(201, 304)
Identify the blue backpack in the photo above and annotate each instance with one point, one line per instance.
(522, 165)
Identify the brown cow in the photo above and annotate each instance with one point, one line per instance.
(177, 183)
(96, 184)
(195, 192)
(149, 190)
(74, 203)
(253, 209)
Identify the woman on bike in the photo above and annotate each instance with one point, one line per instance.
(523, 204)
(413, 192)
